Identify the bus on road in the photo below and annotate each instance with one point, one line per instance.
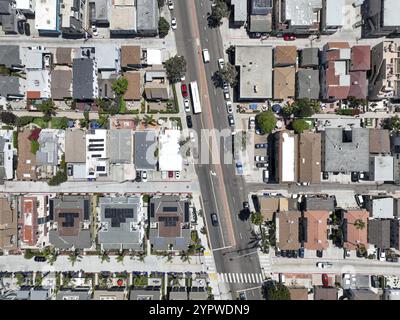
(194, 90)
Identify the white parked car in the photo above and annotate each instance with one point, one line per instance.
(191, 136)
(324, 265)
(382, 255)
(163, 174)
(252, 122)
(227, 96)
(221, 64)
(47, 61)
(173, 23)
(144, 176)
(170, 5)
(229, 107)
(94, 30)
(346, 280)
(177, 175)
(260, 158)
(206, 56)
(186, 104)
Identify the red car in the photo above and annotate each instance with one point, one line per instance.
(289, 37)
(184, 90)
(325, 280)
(170, 174)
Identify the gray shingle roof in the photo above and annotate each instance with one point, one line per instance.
(83, 70)
(145, 145)
(9, 56)
(308, 84)
(379, 233)
(121, 146)
(9, 86)
(147, 16)
(309, 57)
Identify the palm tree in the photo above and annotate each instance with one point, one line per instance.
(359, 224)
(149, 120)
(120, 257)
(185, 256)
(141, 256)
(103, 256)
(74, 257)
(137, 120)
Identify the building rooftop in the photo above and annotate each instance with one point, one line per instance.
(145, 145)
(382, 168)
(308, 84)
(321, 293)
(379, 141)
(50, 140)
(379, 233)
(310, 157)
(26, 169)
(71, 216)
(147, 16)
(131, 56)
(83, 79)
(169, 154)
(319, 203)
(75, 146)
(346, 150)
(240, 10)
(8, 226)
(255, 63)
(358, 85)
(268, 207)
(382, 208)
(123, 16)
(121, 149)
(145, 293)
(9, 56)
(10, 86)
(302, 12)
(284, 83)
(46, 15)
(360, 58)
(29, 212)
(285, 56)
(73, 294)
(353, 236)
(261, 7)
(63, 56)
(309, 57)
(134, 91)
(298, 293)
(334, 13)
(390, 16)
(109, 295)
(61, 84)
(287, 230)
(316, 230)
(287, 157)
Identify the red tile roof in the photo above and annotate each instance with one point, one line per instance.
(29, 212)
(358, 84)
(354, 236)
(360, 58)
(317, 230)
(33, 94)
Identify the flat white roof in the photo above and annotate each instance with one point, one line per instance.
(96, 153)
(391, 10)
(39, 80)
(335, 12)
(46, 15)
(23, 4)
(383, 208)
(154, 56)
(288, 160)
(170, 158)
(383, 168)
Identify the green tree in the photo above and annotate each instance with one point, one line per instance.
(257, 218)
(300, 125)
(393, 124)
(304, 108)
(230, 51)
(175, 68)
(8, 118)
(59, 123)
(149, 120)
(266, 121)
(137, 120)
(228, 74)
(120, 86)
(287, 111)
(163, 27)
(103, 256)
(359, 224)
(185, 256)
(120, 257)
(141, 256)
(48, 108)
(34, 146)
(277, 291)
(218, 11)
(74, 257)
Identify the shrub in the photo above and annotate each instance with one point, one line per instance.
(300, 125)
(266, 121)
(34, 146)
(23, 121)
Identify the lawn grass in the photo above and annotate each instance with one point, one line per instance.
(41, 123)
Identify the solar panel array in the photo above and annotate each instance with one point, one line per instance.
(118, 215)
(169, 221)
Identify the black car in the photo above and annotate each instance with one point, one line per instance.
(138, 176)
(320, 253)
(283, 253)
(214, 219)
(289, 253)
(231, 120)
(189, 121)
(261, 165)
(294, 253)
(355, 176)
(242, 296)
(301, 252)
(261, 145)
(39, 259)
(277, 253)
(27, 28)
(245, 205)
(20, 27)
(325, 175)
(70, 170)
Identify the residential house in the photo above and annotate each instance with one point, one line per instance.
(147, 16)
(298, 17)
(99, 12)
(37, 76)
(325, 293)
(74, 18)
(74, 294)
(285, 56)
(75, 153)
(178, 293)
(122, 223)
(157, 86)
(255, 68)
(8, 225)
(381, 208)
(6, 156)
(298, 293)
(39, 294)
(309, 167)
(97, 156)
(395, 234)
(63, 57)
(239, 12)
(51, 148)
(123, 18)
(309, 58)
(319, 203)
(307, 84)
(335, 77)
(345, 150)
(261, 16)
(69, 217)
(385, 73)
(286, 151)
(169, 154)
(47, 17)
(61, 84)
(131, 57)
(381, 168)
(362, 294)
(315, 229)
(354, 235)
(145, 293)
(268, 207)
(27, 7)
(84, 72)
(121, 155)
(108, 60)
(379, 233)
(333, 16)
(287, 230)
(169, 223)
(11, 87)
(145, 146)
(284, 83)
(10, 57)
(109, 295)
(26, 169)
(379, 141)
(360, 63)
(134, 91)
(198, 293)
(380, 18)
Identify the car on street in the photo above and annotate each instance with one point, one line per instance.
(231, 120)
(138, 176)
(173, 23)
(46, 59)
(70, 170)
(27, 29)
(246, 205)
(227, 96)
(239, 167)
(221, 64)
(39, 259)
(225, 86)
(262, 165)
(94, 30)
(214, 219)
(191, 136)
(259, 132)
(289, 37)
(252, 122)
(20, 27)
(324, 265)
(184, 90)
(186, 105)
(346, 280)
(170, 5)
(261, 145)
(260, 158)
(301, 252)
(144, 176)
(283, 253)
(325, 175)
(206, 56)
(381, 254)
(355, 176)
(360, 200)
(242, 296)
(189, 121)
(305, 183)
(325, 280)
(320, 253)
(177, 175)
(289, 253)
(229, 107)
(163, 174)
(170, 174)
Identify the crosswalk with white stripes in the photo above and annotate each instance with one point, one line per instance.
(241, 277)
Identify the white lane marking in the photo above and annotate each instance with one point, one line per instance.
(252, 278)
(234, 201)
(257, 278)
(230, 278)
(240, 235)
(226, 277)
(245, 278)
(241, 277)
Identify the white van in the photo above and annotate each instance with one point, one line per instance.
(265, 175)
(282, 278)
(206, 56)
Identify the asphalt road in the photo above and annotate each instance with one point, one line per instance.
(224, 192)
